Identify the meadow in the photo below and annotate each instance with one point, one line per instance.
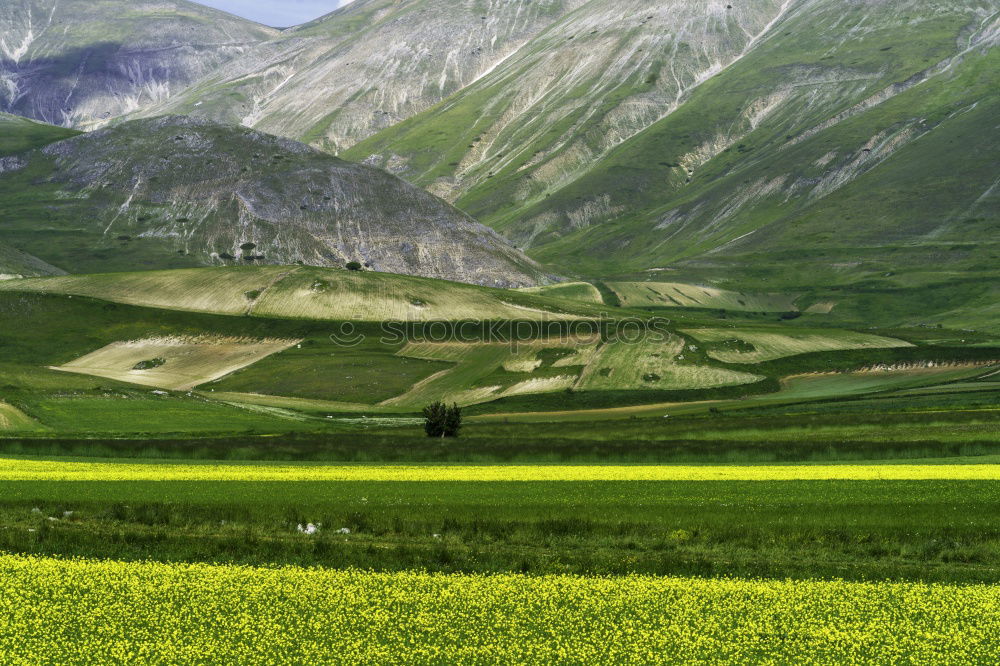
(741, 486)
(861, 522)
(150, 612)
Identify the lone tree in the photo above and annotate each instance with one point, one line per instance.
(353, 266)
(440, 420)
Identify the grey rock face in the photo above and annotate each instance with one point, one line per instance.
(366, 67)
(228, 194)
(81, 63)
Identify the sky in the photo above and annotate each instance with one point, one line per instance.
(276, 13)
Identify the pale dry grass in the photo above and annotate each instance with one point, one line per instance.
(770, 345)
(677, 294)
(652, 365)
(189, 362)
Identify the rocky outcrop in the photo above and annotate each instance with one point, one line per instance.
(225, 194)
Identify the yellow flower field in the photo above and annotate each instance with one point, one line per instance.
(100, 612)
(56, 470)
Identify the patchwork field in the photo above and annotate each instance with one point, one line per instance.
(174, 363)
(487, 371)
(649, 364)
(113, 610)
(749, 346)
(678, 295)
(467, 382)
(868, 381)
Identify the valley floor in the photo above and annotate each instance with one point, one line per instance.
(220, 562)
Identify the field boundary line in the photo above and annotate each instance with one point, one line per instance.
(278, 278)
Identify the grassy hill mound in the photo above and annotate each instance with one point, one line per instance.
(305, 292)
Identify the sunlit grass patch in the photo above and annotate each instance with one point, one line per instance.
(755, 346)
(177, 363)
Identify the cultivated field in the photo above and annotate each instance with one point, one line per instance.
(572, 291)
(216, 290)
(486, 371)
(151, 612)
(650, 364)
(678, 295)
(308, 293)
(754, 346)
(53, 470)
(175, 363)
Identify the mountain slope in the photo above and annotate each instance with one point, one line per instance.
(592, 80)
(828, 146)
(842, 142)
(20, 134)
(180, 192)
(80, 63)
(365, 67)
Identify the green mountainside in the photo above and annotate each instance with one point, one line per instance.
(782, 149)
(19, 134)
(843, 149)
(178, 192)
(846, 152)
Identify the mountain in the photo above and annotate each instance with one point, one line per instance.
(81, 63)
(773, 145)
(177, 192)
(814, 141)
(544, 116)
(365, 67)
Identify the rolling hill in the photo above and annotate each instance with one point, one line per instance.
(309, 293)
(178, 192)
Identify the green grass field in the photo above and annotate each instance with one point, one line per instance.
(735, 456)
(111, 411)
(833, 521)
(14, 420)
(573, 291)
